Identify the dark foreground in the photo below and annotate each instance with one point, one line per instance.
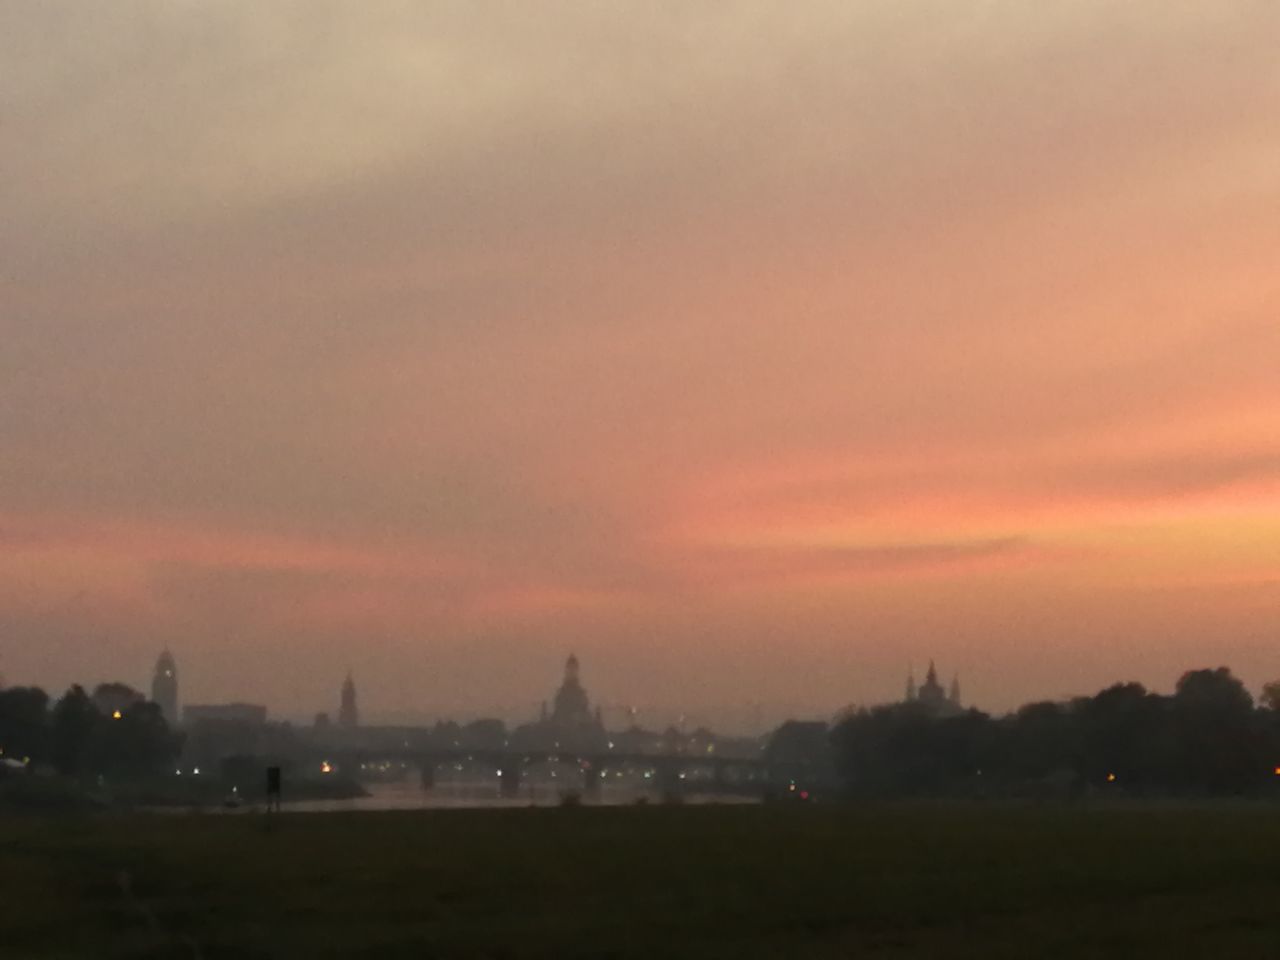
(649, 882)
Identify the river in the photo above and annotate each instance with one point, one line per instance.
(481, 793)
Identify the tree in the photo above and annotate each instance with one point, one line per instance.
(74, 721)
(799, 742)
(1040, 740)
(1207, 737)
(24, 724)
(905, 749)
(1213, 692)
(1271, 695)
(137, 744)
(1124, 732)
(1220, 742)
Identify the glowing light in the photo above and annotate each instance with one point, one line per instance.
(804, 794)
(326, 767)
(195, 772)
(1111, 778)
(1278, 771)
(116, 715)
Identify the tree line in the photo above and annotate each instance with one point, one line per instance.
(79, 738)
(1208, 737)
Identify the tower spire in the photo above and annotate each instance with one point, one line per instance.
(348, 714)
(164, 687)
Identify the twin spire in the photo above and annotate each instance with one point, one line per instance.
(930, 692)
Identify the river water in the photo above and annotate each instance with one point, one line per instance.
(480, 793)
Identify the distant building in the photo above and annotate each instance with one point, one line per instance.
(248, 714)
(932, 696)
(216, 731)
(348, 715)
(572, 708)
(164, 688)
(571, 723)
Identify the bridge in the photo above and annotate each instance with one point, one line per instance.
(726, 775)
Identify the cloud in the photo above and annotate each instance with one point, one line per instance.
(520, 325)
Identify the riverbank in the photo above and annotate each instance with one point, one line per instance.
(756, 881)
(55, 794)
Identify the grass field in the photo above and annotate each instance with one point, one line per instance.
(649, 882)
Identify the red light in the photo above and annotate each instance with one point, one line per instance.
(804, 794)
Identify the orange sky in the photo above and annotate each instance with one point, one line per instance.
(753, 353)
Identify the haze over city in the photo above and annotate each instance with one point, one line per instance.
(754, 354)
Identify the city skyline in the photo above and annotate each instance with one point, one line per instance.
(170, 694)
(756, 355)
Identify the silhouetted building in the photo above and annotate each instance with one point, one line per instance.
(571, 723)
(248, 714)
(932, 696)
(164, 688)
(483, 734)
(572, 708)
(215, 732)
(348, 715)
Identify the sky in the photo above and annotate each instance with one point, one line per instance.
(756, 352)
